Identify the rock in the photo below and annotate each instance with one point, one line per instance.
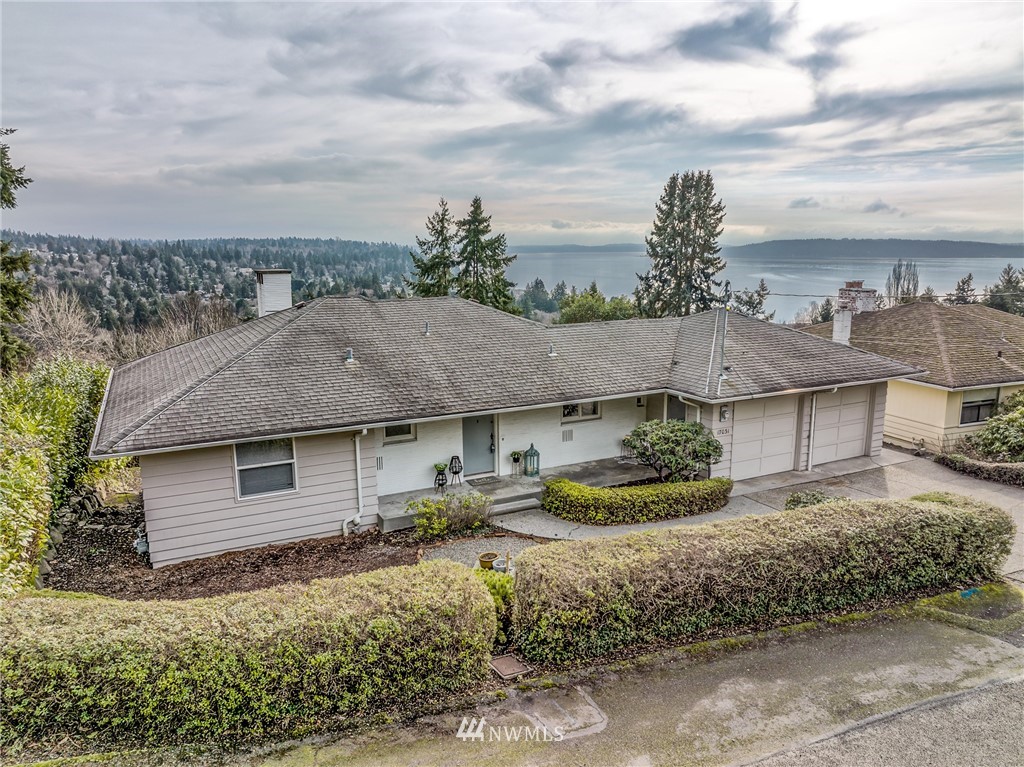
(56, 536)
(40, 583)
(44, 567)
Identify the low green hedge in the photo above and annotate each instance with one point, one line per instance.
(579, 599)
(629, 505)
(279, 662)
(1007, 473)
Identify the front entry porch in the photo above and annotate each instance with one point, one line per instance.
(514, 493)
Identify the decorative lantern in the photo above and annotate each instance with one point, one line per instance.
(531, 458)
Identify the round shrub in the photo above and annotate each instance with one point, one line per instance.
(629, 505)
(1002, 438)
(275, 663)
(579, 599)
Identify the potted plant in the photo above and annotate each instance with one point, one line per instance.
(439, 467)
(516, 455)
(487, 560)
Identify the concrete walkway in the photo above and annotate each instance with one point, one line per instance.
(770, 699)
(891, 475)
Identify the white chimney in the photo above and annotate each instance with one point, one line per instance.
(842, 322)
(273, 290)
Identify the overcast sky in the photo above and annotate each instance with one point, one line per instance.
(820, 119)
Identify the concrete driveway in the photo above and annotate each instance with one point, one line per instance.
(893, 474)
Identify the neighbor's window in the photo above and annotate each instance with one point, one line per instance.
(977, 405)
(265, 467)
(582, 411)
(403, 432)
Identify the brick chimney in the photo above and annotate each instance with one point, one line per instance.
(273, 290)
(855, 297)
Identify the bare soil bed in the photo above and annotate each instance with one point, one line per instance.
(100, 558)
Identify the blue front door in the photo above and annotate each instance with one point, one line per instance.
(478, 444)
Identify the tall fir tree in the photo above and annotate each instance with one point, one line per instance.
(963, 293)
(752, 302)
(683, 248)
(433, 268)
(482, 262)
(15, 278)
(1007, 295)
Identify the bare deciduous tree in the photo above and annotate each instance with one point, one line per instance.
(57, 323)
(186, 317)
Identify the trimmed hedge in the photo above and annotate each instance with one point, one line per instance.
(280, 662)
(629, 505)
(1007, 473)
(579, 599)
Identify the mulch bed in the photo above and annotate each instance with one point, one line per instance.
(100, 558)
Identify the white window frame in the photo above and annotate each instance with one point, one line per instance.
(578, 418)
(410, 437)
(260, 496)
(992, 401)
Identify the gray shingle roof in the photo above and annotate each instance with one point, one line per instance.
(959, 346)
(286, 373)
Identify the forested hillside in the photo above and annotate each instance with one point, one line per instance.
(125, 283)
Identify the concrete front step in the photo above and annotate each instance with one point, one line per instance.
(400, 519)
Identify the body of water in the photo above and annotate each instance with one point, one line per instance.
(806, 280)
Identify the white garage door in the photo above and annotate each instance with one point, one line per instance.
(841, 424)
(764, 436)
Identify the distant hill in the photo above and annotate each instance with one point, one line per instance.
(822, 248)
(889, 250)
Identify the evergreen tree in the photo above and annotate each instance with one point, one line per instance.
(482, 262)
(559, 292)
(432, 269)
(15, 278)
(751, 302)
(963, 293)
(928, 295)
(827, 311)
(1007, 295)
(683, 248)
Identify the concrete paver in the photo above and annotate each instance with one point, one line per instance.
(735, 708)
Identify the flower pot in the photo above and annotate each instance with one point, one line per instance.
(487, 560)
(499, 566)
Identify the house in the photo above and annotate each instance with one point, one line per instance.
(292, 425)
(973, 357)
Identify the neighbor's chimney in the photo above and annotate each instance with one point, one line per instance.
(856, 297)
(842, 322)
(273, 290)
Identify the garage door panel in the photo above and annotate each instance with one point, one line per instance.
(856, 394)
(780, 445)
(852, 432)
(776, 463)
(780, 406)
(744, 451)
(746, 409)
(856, 411)
(747, 430)
(783, 425)
(826, 418)
(830, 399)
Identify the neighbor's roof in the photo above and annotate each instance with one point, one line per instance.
(286, 373)
(959, 346)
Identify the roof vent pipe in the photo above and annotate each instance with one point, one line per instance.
(551, 351)
(349, 356)
(426, 328)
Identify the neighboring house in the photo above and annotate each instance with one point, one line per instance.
(973, 355)
(292, 426)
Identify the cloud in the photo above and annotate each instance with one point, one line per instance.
(272, 171)
(735, 38)
(803, 202)
(879, 206)
(826, 57)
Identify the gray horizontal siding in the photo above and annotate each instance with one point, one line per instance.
(191, 509)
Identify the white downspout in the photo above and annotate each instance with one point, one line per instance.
(359, 486)
(810, 439)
